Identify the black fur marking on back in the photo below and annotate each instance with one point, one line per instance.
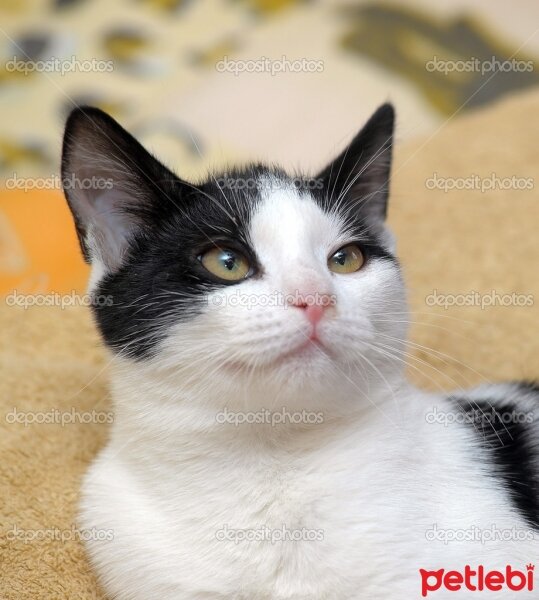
(528, 386)
(504, 430)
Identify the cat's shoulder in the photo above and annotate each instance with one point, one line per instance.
(505, 420)
(510, 403)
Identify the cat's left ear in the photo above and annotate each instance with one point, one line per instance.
(358, 178)
(114, 187)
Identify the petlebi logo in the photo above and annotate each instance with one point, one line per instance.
(477, 580)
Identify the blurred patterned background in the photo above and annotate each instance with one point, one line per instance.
(157, 66)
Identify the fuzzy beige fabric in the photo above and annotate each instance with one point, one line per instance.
(456, 243)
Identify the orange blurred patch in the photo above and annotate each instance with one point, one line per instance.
(39, 250)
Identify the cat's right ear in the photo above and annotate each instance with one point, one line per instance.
(359, 177)
(113, 186)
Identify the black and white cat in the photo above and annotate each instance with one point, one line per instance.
(266, 444)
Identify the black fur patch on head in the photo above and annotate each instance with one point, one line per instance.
(510, 443)
(162, 281)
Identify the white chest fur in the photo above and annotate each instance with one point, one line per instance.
(261, 513)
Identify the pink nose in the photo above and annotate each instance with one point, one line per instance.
(314, 312)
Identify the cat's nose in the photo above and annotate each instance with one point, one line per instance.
(314, 311)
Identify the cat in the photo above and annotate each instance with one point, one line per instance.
(266, 444)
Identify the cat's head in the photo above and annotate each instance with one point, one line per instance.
(252, 277)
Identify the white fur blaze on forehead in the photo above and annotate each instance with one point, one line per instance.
(290, 222)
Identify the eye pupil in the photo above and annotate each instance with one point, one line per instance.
(340, 257)
(229, 261)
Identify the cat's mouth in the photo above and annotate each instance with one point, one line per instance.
(311, 349)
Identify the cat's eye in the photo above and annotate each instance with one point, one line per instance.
(226, 263)
(348, 259)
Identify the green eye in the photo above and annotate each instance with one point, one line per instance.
(226, 263)
(348, 259)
